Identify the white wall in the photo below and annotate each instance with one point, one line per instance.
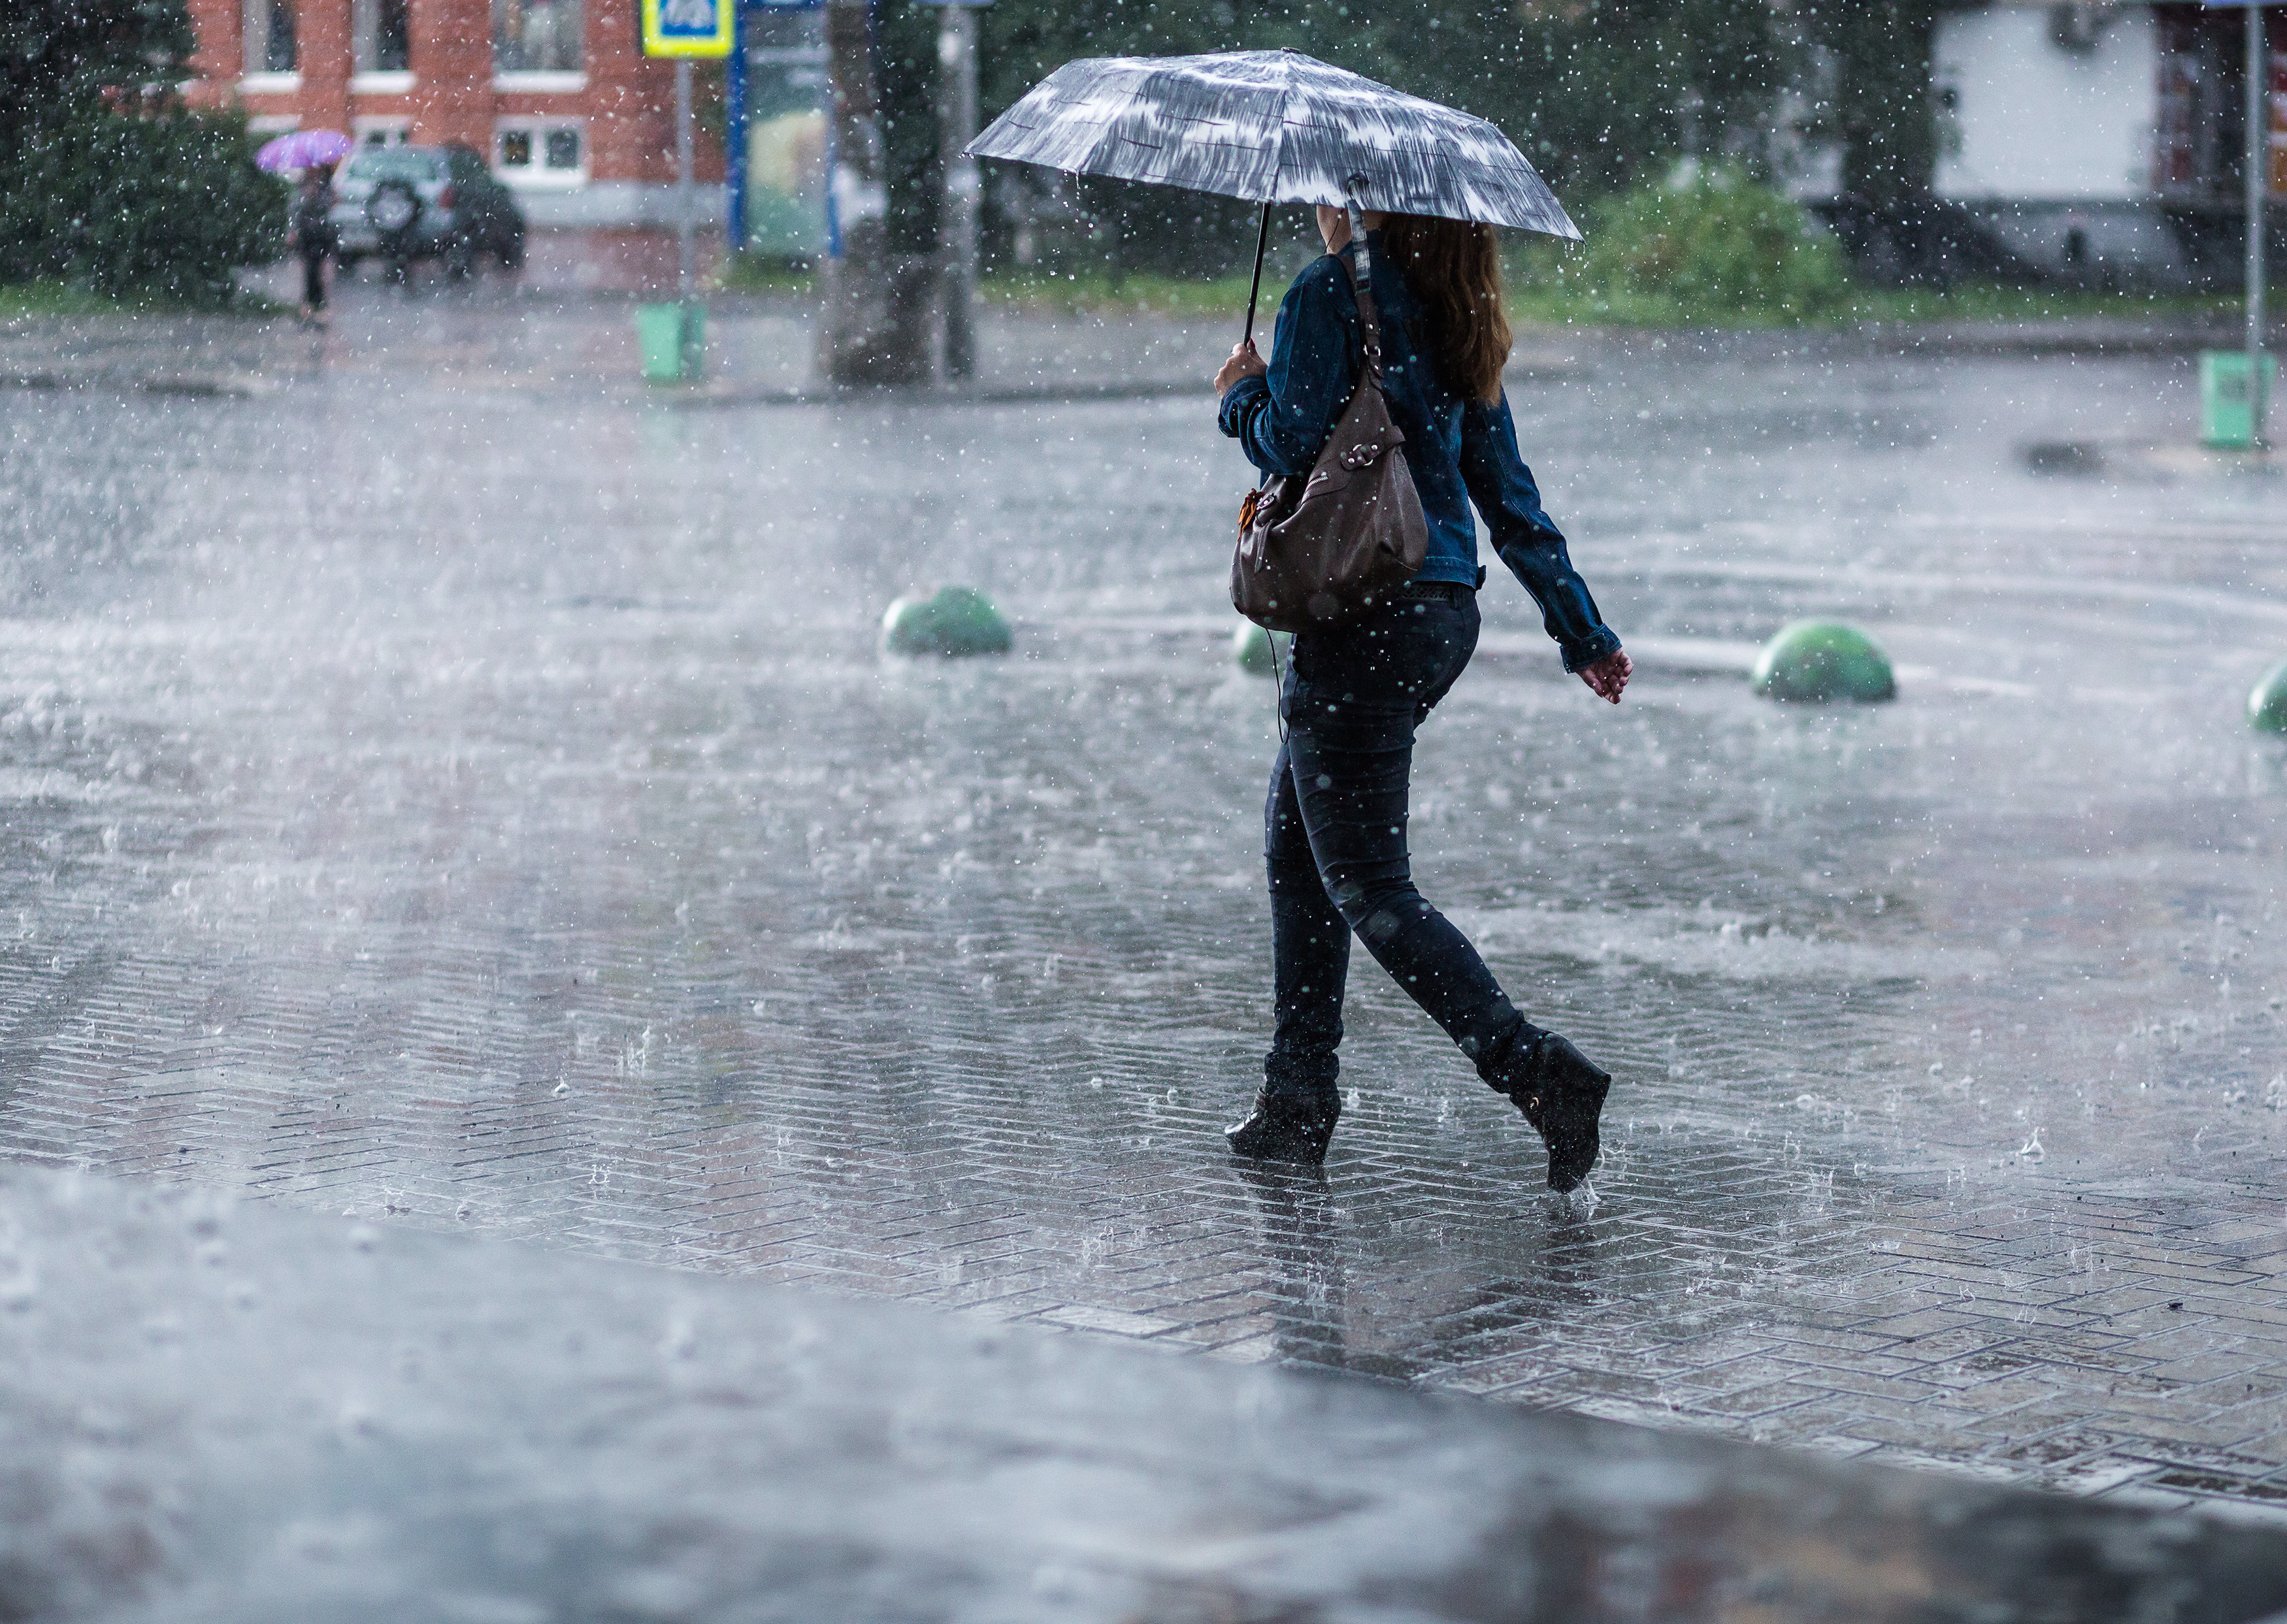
(2034, 122)
(622, 203)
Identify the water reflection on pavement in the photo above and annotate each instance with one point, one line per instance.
(486, 807)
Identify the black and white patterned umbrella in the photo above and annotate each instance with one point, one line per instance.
(1273, 127)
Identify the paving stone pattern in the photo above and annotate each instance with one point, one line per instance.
(489, 810)
(222, 1411)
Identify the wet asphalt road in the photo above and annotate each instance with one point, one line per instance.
(449, 786)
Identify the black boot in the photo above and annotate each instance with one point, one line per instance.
(1560, 1092)
(1287, 1127)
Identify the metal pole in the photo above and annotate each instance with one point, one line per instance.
(956, 230)
(687, 258)
(735, 134)
(2258, 184)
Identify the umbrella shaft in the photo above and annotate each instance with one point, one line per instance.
(2258, 184)
(1262, 240)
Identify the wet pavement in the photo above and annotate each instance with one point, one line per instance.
(233, 1413)
(566, 326)
(446, 785)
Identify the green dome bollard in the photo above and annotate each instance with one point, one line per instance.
(1820, 661)
(2266, 702)
(952, 621)
(1251, 647)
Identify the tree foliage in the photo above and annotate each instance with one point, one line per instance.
(105, 180)
(1598, 94)
(56, 54)
(1602, 95)
(1716, 248)
(1593, 91)
(1881, 113)
(163, 206)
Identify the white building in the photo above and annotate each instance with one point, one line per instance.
(2100, 142)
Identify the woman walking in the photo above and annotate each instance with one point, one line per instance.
(313, 237)
(1334, 826)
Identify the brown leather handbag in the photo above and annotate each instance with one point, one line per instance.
(1319, 552)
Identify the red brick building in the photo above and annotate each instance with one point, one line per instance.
(558, 93)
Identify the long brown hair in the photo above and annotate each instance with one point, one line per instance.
(1453, 266)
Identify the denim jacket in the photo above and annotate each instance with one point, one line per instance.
(1457, 450)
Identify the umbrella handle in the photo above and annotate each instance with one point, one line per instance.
(1262, 240)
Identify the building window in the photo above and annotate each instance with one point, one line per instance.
(269, 36)
(540, 152)
(536, 36)
(2201, 129)
(384, 35)
(380, 132)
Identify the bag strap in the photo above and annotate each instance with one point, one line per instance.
(1371, 318)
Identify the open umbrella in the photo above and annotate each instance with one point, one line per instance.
(1273, 127)
(303, 149)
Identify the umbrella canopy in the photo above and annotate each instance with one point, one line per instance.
(303, 149)
(1273, 127)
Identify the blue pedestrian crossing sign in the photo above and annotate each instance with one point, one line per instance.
(688, 27)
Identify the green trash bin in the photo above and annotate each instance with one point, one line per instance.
(673, 338)
(2227, 401)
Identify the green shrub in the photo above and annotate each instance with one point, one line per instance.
(158, 206)
(1720, 249)
(59, 54)
(106, 184)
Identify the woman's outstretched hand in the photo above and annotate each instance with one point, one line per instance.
(1609, 675)
(1243, 363)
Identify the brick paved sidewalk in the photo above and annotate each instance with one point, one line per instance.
(240, 1414)
(475, 816)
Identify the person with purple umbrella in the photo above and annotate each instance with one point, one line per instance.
(314, 238)
(313, 154)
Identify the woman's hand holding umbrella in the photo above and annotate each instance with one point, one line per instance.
(1245, 362)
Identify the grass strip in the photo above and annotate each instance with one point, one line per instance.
(53, 300)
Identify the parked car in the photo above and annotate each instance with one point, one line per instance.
(404, 203)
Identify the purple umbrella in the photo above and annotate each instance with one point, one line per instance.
(303, 149)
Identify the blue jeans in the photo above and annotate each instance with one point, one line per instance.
(1334, 840)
